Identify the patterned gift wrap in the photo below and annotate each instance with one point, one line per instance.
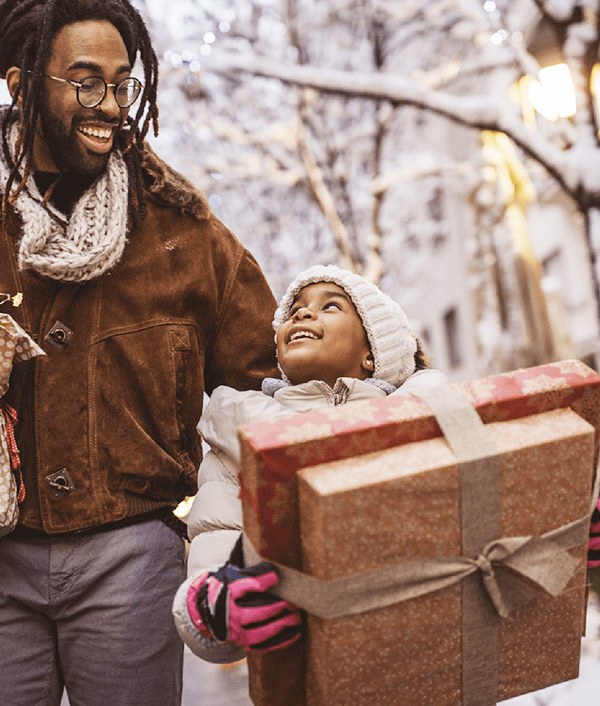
(15, 347)
(399, 500)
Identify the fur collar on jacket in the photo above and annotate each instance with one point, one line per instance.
(171, 188)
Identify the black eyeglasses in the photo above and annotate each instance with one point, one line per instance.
(91, 91)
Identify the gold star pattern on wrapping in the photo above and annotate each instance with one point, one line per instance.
(355, 413)
(480, 390)
(401, 407)
(262, 434)
(557, 391)
(306, 431)
(543, 383)
(332, 447)
(574, 367)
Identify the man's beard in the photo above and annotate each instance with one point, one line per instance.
(66, 150)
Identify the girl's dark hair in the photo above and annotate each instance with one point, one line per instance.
(27, 28)
(421, 358)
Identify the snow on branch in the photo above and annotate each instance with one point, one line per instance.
(476, 111)
(325, 200)
(557, 10)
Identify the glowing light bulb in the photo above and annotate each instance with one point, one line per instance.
(553, 93)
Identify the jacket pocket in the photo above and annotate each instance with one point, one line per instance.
(149, 389)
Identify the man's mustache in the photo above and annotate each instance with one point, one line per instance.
(98, 119)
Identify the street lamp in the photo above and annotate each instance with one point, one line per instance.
(552, 92)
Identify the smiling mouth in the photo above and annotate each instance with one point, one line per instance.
(97, 137)
(303, 335)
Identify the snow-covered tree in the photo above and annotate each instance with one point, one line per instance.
(349, 131)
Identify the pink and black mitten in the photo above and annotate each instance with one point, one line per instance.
(234, 605)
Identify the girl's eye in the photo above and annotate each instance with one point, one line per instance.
(331, 305)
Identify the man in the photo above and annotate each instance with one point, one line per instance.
(142, 300)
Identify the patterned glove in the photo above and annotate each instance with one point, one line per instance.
(234, 605)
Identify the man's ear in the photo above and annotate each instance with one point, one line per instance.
(13, 80)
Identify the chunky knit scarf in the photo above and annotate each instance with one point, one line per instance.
(87, 244)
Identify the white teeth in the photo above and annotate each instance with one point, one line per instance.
(103, 133)
(303, 334)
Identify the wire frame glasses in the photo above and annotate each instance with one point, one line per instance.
(91, 91)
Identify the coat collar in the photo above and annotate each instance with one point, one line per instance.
(171, 188)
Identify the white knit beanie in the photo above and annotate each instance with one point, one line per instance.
(392, 342)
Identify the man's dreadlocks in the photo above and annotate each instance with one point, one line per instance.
(27, 28)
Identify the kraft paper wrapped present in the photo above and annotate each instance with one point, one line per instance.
(402, 505)
(513, 406)
(15, 346)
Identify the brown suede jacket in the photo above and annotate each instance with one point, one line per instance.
(116, 408)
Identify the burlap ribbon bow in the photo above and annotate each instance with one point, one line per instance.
(511, 569)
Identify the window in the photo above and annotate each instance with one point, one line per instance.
(451, 330)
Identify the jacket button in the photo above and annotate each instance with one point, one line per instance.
(61, 483)
(59, 335)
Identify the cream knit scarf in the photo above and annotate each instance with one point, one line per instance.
(93, 239)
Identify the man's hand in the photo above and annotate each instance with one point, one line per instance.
(234, 605)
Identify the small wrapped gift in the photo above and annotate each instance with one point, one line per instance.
(403, 505)
(15, 346)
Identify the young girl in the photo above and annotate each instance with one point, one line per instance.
(339, 339)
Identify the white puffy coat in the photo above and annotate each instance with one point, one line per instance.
(215, 520)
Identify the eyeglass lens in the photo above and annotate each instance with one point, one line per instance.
(92, 90)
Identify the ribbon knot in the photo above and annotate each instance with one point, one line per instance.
(484, 565)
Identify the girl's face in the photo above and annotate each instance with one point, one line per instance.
(323, 337)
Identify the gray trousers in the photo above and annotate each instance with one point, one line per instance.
(92, 613)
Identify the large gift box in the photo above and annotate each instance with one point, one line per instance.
(457, 562)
